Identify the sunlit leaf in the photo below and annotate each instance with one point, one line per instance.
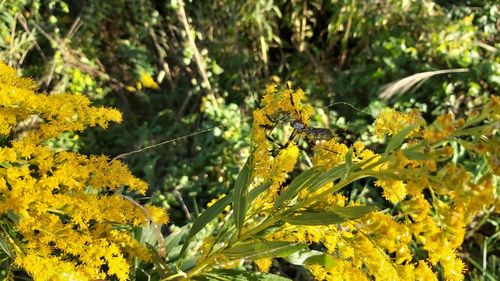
(298, 184)
(353, 212)
(161, 266)
(241, 193)
(5, 248)
(263, 249)
(328, 176)
(300, 257)
(322, 259)
(416, 155)
(207, 216)
(257, 190)
(239, 275)
(398, 138)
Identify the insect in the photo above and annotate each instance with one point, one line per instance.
(311, 132)
(299, 127)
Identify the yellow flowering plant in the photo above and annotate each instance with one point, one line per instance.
(274, 211)
(63, 215)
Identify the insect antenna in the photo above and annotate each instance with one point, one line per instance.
(126, 154)
(349, 105)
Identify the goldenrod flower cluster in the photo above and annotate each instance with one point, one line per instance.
(286, 104)
(61, 216)
(435, 197)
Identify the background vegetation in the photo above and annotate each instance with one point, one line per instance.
(177, 68)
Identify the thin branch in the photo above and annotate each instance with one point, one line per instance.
(24, 24)
(197, 56)
(163, 57)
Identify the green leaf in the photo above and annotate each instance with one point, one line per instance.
(328, 176)
(333, 216)
(353, 212)
(263, 249)
(299, 183)
(322, 259)
(5, 164)
(5, 248)
(241, 193)
(207, 216)
(258, 190)
(173, 242)
(348, 158)
(300, 257)
(269, 230)
(416, 155)
(398, 138)
(239, 275)
(161, 266)
(310, 218)
(348, 162)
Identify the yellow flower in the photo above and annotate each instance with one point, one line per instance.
(390, 122)
(263, 264)
(63, 202)
(147, 81)
(329, 153)
(442, 128)
(394, 190)
(157, 214)
(424, 273)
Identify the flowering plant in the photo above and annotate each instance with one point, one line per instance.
(61, 215)
(277, 213)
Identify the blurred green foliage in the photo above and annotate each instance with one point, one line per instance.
(211, 58)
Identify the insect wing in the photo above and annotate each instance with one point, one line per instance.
(320, 133)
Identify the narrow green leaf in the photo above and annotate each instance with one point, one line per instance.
(174, 238)
(348, 161)
(5, 164)
(188, 264)
(258, 190)
(398, 138)
(173, 242)
(5, 248)
(353, 212)
(269, 230)
(322, 259)
(263, 249)
(207, 216)
(328, 176)
(310, 218)
(299, 183)
(161, 266)
(416, 155)
(239, 275)
(241, 193)
(299, 257)
(348, 156)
